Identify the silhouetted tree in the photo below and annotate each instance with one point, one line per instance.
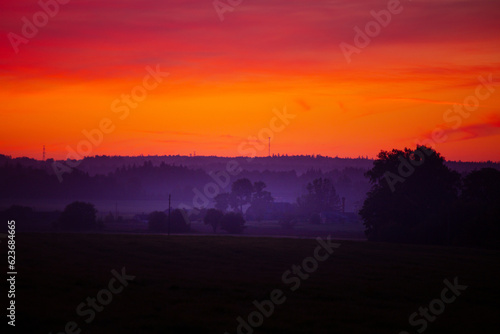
(321, 197)
(482, 185)
(410, 196)
(233, 222)
(213, 218)
(261, 200)
(476, 218)
(78, 216)
(241, 193)
(222, 201)
(258, 187)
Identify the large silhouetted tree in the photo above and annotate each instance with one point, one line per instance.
(78, 216)
(482, 186)
(241, 193)
(412, 191)
(261, 200)
(476, 217)
(321, 197)
(222, 201)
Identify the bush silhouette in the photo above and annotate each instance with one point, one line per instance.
(213, 217)
(78, 216)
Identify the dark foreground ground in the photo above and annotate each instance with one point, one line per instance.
(189, 284)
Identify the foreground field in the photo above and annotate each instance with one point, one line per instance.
(188, 284)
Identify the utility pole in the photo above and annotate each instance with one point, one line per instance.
(168, 230)
(43, 157)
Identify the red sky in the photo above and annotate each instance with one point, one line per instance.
(226, 77)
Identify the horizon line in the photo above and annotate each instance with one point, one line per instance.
(313, 156)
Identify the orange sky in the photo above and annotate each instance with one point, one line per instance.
(226, 77)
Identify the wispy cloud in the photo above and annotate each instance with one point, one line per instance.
(468, 132)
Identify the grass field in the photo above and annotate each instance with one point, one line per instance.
(190, 284)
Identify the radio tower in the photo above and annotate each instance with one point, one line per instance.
(43, 156)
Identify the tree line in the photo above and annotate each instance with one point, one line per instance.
(416, 198)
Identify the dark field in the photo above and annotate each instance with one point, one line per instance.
(189, 284)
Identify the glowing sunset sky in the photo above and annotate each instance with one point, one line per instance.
(226, 77)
